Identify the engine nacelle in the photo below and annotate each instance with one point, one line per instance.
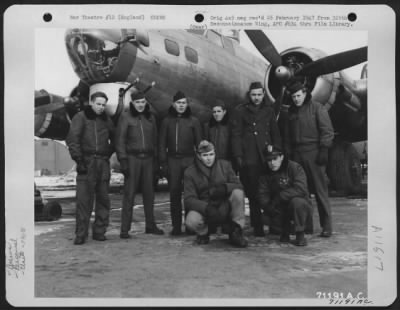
(113, 107)
(323, 88)
(52, 125)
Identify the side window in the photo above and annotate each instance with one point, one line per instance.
(171, 47)
(191, 55)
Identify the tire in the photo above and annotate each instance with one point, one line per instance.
(52, 211)
(344, 169)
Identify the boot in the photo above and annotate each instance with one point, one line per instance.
(125, 235)
(79, 240)
(154, 230)
(203, 239)
(236, 236)
(325, 234)
(300, 239)
(99, 237)
(285, 238)
(189, 232)
(259, 231)
(176, 231)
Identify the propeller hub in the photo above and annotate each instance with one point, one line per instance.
(283, 74)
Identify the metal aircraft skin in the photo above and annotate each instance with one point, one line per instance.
(206, 66)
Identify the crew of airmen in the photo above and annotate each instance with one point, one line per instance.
(237, 153)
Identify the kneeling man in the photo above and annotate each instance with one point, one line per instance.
(283, 195)
(213, 196)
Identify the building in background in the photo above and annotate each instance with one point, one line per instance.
(52, 158)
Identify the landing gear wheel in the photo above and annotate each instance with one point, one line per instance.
(54, 210)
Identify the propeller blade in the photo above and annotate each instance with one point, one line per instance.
(49, 108)
(264, 46)
(58, 103)
(280, 102)
(335, 62)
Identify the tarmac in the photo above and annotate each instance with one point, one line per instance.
(150, 266)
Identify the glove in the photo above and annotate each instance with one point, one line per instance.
(81, 167)
(239, 162)
(164, 170)
(124, 167)
(212, 214)
(322, 157)
(218, 192)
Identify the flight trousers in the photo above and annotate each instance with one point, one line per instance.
(317, 184)
(140, 173)
(197, 222)
(176, 168)
(92, 190)
(249, 175)
(298, 210)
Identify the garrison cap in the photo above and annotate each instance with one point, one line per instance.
(295, 87)
(219, 103)
(205, 147)
(255, 85)
(98, 94)
(179, 95)
(137, 95)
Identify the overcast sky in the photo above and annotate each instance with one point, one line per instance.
(53, 70)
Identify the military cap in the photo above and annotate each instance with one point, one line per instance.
(219, 103)
(179, 95)
(295, 87)
(271, 152)
(137, 95)
(98, 94)
(205, 147)
(255, 85)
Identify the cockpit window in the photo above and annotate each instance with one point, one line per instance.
(172, 47)
(93, 54)
(228, 44)
(214, 37)
(191, 55)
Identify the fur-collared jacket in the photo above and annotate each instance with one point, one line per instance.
(309, 128)
(253, 127)
(219, 134)
(90, 134)
(288, 182)
(136, 134)
(198, 179)
(180, 134)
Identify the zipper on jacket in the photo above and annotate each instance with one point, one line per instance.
(141, 128)
(176, 134)
(216, 135)
(95, 133)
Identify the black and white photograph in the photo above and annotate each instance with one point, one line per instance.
(227, 164)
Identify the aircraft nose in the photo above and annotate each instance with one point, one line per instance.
(96, 54)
